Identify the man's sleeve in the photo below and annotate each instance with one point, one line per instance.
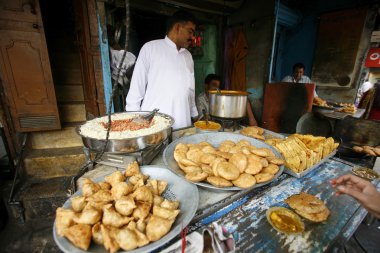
(193, 106)
(139, 82)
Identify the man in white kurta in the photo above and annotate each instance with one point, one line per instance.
(163, 77)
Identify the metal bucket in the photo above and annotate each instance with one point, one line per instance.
(228, 103)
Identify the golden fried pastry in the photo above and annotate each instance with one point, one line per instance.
(89, 187)
(207, 158)
(165, 213)
(97, 234)
(194, 155)
(157, 227)
(132, 169)
(142, 210)
(258, 151)
(179, 154)
(240, 161)
(315, 217)
(115, 177)
(275, 160)
(263, 177)
(264, 162)
(271, 169)
(228, 171)
(125, 205)
(143, 194)
(181, 146)
(306, 203)
(141, 225)
(109, 238)
(79, 235)
(227, 143)
(208, 150)
(100, 196)
(254, 167)
(192, 169)
(219, 182)
(248, 131)
(127, 239)
(112, 218)
(234, 150)
(215, 165)
(244, 181)
(121, 189)
(89, 215)
(257, 136)
(137, 177)
(243, 143)
(142, 239)
(196, 176)
(104, 186)
(78, 203)
(308, 206)
(225, 148)
(187, 162)
(208, 169)
(64, 218)
(157, 200)
(224, 155)
(161, 186)
(170, 204)
(153, 186)
(245, 150)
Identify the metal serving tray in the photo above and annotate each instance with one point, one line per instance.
(303, 173)
(215, 139)
(129, 145)
(178, 189)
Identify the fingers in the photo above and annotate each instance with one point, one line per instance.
(358, 195)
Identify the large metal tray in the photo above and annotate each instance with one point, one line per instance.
(178, 189)
(215, 139)
(303, 173)
(129, 145)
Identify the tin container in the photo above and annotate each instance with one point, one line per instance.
(228, 103)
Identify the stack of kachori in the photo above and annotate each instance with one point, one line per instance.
(231, 164)
(308, 206)
(254, 132)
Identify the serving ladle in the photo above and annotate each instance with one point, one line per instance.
(145, 118)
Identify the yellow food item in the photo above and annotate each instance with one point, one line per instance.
(284, 220)
(213, 126)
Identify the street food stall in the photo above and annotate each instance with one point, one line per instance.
(246, 182)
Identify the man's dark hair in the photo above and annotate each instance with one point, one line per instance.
(179, 17)
(211, 77)
(298, 65)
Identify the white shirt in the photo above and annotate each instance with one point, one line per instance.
(163, 78)
(303, 79)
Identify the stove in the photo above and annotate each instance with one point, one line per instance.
(228, 124)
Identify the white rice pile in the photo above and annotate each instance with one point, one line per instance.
(94, 129)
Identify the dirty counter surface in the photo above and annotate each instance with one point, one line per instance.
(243, 213)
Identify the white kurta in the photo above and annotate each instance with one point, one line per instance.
(163, 78)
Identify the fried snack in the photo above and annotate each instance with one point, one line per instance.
(100, 196)
(244, 181)
(127, 239)
(165, 213)
(219, 182)
(78, 203)
(112, 218)
(89, 215)
(172, 205)
(114, 178)
(89, 187)
(221, 165)
(271, 169)
(308, 206)
(197, 176)
(121, 189)
(132, 169)
(79, 235)
(125, 205)
(303, 151)
(96, 232)
(157, 227)
(228, 171)
(64, 219)
(254, 132)
(109, 237)
(263, 177)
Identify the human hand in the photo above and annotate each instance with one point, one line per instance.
(361, 190)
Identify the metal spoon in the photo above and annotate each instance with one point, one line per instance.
(146, 118)
(205, 115)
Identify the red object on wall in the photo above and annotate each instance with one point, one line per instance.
(373, 58)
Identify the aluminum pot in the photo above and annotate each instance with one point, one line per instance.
(228, 103)
(129, 145)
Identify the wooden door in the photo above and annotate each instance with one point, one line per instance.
(25, 67)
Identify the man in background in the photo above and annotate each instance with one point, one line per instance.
(163, 77)
(298, 76)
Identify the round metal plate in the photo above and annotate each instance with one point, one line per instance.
(215, 139)
(178, 189)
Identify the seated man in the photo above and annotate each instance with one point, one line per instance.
(212, 82)
(298, 76)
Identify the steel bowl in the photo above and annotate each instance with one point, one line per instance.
(228, 103)
(129, 145)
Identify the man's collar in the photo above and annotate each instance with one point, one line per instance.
(172, 44)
